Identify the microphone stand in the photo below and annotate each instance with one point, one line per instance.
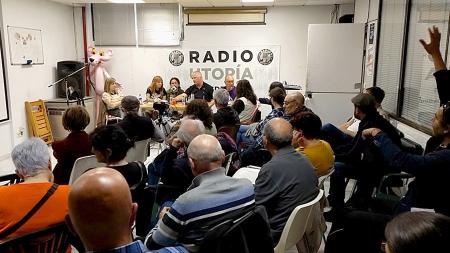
(65, 83)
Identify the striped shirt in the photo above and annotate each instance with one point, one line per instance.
(211, 199)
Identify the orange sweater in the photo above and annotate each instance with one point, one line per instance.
(17, 200)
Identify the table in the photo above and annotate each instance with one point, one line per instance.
(178, 106)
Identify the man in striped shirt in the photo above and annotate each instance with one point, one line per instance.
(212, 198)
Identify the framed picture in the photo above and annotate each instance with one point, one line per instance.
(25, 46)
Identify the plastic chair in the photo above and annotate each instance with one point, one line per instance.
(138, 152)
(53, 239)
(228, 161)
(296, 225)
(83, 164)
(9, 179)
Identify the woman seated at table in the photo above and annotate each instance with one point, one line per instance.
(245, 103)
(112, 97)
(156, 91)
(175, 88)
(199, 109)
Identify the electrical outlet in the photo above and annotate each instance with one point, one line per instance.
(20, 131)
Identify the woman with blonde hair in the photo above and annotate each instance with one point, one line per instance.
(112, 97)
(156, 90)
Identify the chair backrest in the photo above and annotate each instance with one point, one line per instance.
(83, 164)
(53, 239)
(296, 225)
(228, 160)
(9, 179)
(323, 178)
(138, 152)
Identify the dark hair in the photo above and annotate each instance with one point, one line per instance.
(130, 104)
(369, 110)
(416, 232)
(278, 95)
(200, 110)
(111, 137)
(174, 78)
(75, 118)
(309, 123)
(277, 84)
(377, 93)
(244, 89)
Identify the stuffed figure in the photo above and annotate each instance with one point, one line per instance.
(98, 73)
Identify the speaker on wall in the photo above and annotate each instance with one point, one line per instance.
(75, 83)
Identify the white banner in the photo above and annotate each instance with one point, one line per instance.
(258, 64)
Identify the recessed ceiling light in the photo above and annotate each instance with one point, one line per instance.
(256, 1)
(126, 1)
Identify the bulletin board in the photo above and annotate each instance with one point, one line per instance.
(25, 45)
(4, 109)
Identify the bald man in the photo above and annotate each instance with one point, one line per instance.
(211, 199)
(200, 89)
(229, 86)
(287, 180)
(101, 213)
(294, 103)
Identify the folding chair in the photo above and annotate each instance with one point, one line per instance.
(138, 152)
(83, 164)
(9, 179)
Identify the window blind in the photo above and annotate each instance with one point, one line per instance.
(114, 24)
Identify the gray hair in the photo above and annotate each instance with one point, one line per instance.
(279, 139)
(221, 96)
(30, 157)
(205, 149)
(189, 129)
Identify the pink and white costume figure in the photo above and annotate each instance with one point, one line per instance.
(98, 74)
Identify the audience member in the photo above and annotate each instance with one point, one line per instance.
(138, 127)
(225, 115)
(245, 103)
(306, 139)
(175, 88)
(287, 180)
(199, 90)
(112, 97)
(294, 103)
(229, 86)
(32, 161)
(271, 86)
(199, 109)
(211, 199)
(102, 213)
(75, 145)
(155, 91)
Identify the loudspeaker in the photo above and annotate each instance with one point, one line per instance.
(77, 81)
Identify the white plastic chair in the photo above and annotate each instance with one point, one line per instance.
(138, 152)
(249, 172)
(83, 164)
(296, 225)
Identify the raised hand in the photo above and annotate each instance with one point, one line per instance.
(435, 38)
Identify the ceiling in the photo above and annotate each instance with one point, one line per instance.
(223, 3)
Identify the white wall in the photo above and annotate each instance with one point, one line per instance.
(286, 26)
(30, 83)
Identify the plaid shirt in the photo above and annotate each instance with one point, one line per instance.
(275, 113)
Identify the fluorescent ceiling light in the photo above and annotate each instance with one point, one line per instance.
(126, 1)
(256, 1)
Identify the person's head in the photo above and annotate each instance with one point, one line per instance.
(174, 82)
(277, 134)
(229, 82)
(293, 103)
(111, 85)
(130, 104)
(441, 121)
(307, 126)
(31, 159)
(221, 98)
(75, 118)
(157, 84)
(110, 143)
(189, 129)
(377, 93)
(364, 105)
(100, 209)
(199, 109)
(205, 154)
(277, 96)
(277, 84)
(417, 232)
(244, 89)
(197, 78)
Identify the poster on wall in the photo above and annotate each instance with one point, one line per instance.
(260, 65)
(4, 110)
(369, 67)
(25, 46)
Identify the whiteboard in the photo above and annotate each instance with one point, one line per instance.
(4, 112)
(25, 45)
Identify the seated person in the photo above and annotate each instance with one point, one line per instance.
(229, 86)
(245, 103)
(307, 140)
(225, 115)
(175, 88)
(199, 90)
(199, 109)
(294, 103)
(138, 127)
(211, 199)
(275, 84)
(75, 145)
(103, 227)
(155, 91)
(112, 97)
(287, 180)
(32, 162)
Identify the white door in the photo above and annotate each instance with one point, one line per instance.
(334, 68)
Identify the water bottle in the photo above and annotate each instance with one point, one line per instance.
(140, 99)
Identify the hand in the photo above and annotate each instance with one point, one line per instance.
(163, 212)
(370, 132)
(176, 143)
(433, 47)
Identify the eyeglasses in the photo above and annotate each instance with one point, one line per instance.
(288, 102)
